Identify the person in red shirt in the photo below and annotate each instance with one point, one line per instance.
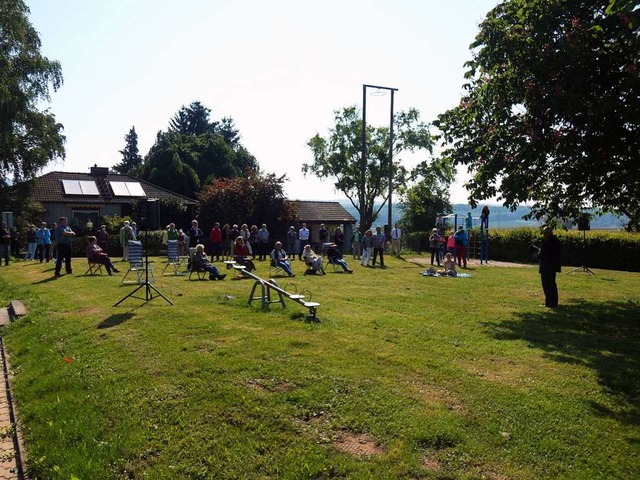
(216, 241)
(241, 254)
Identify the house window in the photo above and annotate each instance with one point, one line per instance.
(86, 216)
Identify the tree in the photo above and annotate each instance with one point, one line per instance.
(131, 159)
(428, 198)
(194, 152)
(339, 156)
(29, 138)
(252, 199)
(551, 113)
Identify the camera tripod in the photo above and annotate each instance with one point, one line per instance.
(583, 268)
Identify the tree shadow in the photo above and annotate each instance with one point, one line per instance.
(115, 320)
(604, 336)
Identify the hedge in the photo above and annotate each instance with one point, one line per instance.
(602, 249)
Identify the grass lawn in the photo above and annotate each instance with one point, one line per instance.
(403, 377)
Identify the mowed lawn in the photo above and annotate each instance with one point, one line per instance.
(404, 376)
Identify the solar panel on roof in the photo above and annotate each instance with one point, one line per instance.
(80, 187)
(127, 189)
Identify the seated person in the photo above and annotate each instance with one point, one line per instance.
(312, 260)
(335, 256)
(449, 266)
(241, 254)
(201, 262)
(279, 259)
(95, 254)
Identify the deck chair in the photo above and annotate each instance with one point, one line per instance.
(137, 264)
(174, 260)
(200, 273)
(95, 268)
(329, 260)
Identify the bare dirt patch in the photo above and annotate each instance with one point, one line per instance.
(429, 463)
(359, 444)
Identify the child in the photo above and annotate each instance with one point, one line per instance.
(449, 266)
(201, 261)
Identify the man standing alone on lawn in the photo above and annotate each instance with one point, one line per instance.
(549, 256)
(396, 235)
(64, 236)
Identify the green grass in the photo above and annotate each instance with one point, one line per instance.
(448, 378)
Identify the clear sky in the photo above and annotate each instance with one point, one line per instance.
(279, 69)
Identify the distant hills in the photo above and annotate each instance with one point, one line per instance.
(500, 217)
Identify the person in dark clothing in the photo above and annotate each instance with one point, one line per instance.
(549, 257)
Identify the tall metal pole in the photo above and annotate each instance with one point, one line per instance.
(391, 162)
(363, 161)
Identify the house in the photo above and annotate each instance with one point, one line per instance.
(332, 214)
(85, 198)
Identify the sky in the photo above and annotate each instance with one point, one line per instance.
(280, 69)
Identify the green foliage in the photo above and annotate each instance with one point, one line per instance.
(551, 110)
(428, 198)
(131, 159)
(338, 156)
(194, 151)
(29, 138)
(449, 378)
(612, 250)
(252, 199)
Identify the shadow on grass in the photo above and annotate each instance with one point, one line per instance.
(115, 320)
(604, 336)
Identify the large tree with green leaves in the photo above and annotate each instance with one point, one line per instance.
(339, 156)
(194, 151)
(551, 113)
(253, 199)
(427, 198)
(131, 159)
(29, 138)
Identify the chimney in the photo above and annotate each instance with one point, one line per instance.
(99, 171)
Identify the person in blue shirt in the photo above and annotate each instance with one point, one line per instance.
(43, 240)
(460, 238)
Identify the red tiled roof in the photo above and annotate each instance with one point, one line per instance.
(310, 211)
(48, 188)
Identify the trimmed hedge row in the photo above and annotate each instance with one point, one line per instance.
(608, 250)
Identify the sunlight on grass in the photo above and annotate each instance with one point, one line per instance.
(403, 377)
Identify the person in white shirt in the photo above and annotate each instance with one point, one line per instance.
(303, 236)
(396, 235)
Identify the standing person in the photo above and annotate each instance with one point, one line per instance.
(54, 241)
(484, 217)
(254, 244)
(434, 245)
(15, 242)
(338, 238)
(216, 241)
(292, 238)
(367, 246)
(226, 241)
(5, 243)
(549, 256)
(468, 222)
(396, 236)
(195, 234)
(263, 242)
(451, 244)
(460, 238)
(303, 235)
(32, 242)
(44, 241)
(102, 238)
(379, 240)
(172, 233)
(134, 227)
(182, 243)
(356, 243)
(65, 236)
(126, 234)
(323, 235)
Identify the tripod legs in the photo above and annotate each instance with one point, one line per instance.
(148, 294)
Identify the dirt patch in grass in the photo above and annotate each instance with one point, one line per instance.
(270, 384)
(501, 370)
(359, 444)
(436, 395)
(431, 464)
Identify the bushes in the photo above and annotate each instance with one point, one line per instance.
(610, 250)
